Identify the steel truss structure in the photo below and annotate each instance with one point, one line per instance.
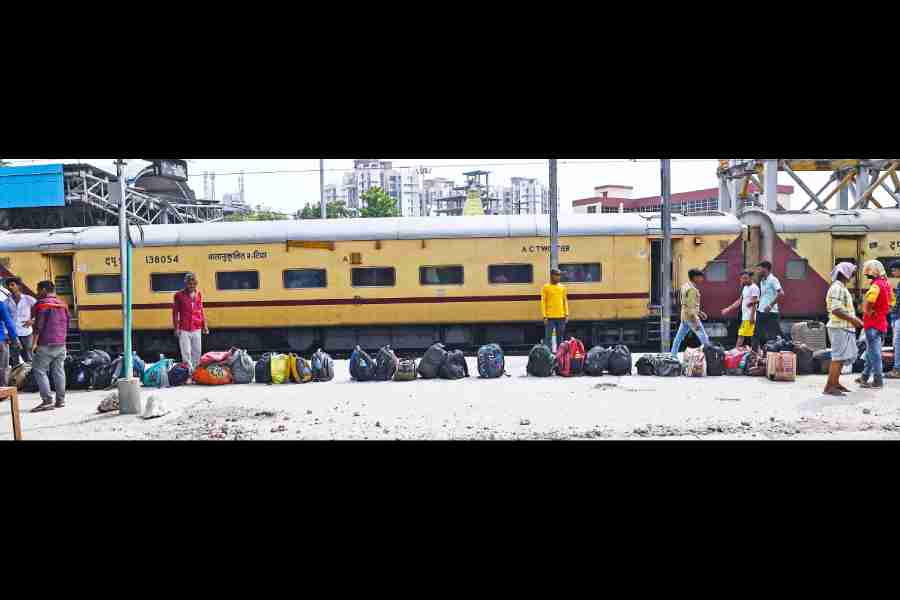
(855, 179)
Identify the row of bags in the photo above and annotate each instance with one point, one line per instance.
(236, 366)
(571, 360)
(94, 370)
(437, 362)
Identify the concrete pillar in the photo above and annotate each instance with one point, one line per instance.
(771, 183)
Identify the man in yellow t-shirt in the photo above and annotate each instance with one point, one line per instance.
(554, 308)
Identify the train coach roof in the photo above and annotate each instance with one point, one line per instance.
(409, 228)
(835, 221)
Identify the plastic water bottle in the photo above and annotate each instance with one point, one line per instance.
(163, 374)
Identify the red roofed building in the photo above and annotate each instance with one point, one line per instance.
(617, 198)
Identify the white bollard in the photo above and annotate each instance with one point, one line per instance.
(129, 396)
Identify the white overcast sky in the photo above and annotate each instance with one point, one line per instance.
(290, 191)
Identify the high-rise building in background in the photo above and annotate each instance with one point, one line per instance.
(367, 174)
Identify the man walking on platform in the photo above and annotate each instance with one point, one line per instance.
(690, 312)
(554, 309)
(189, 319)
(768, 324)
(748, 301)
(51, 326)
(895, 314)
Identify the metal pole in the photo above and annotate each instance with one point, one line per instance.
(129, 395)
(554, 218)
(666, 316)
(771, 183)
(322, 188)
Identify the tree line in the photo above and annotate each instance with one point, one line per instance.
(376, 200)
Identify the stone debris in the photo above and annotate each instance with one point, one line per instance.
(278, 429)
(867, 411)
(524, 422)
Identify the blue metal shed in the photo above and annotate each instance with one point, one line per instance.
(34, 185)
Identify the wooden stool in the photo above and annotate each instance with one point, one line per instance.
(13, 395)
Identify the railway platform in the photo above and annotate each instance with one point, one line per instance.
(510, 408)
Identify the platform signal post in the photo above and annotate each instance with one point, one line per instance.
(128, 386)
(666, 300)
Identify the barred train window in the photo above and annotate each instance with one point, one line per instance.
(305, 278)
(104, 284)
(795, 269)
(717, 271)
(580, 272)
(510, 273)
(441, 275)
(167, 282)
(237, 280)
(373, 277)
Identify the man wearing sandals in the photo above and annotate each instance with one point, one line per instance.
(51, 325)
(842, 324)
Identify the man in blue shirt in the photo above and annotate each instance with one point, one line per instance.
(9, 337)
(768, 323)
(894, 316)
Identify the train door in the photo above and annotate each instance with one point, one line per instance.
(59, 271)
(848, 249)
(656, 270)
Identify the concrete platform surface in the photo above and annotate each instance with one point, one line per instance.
(509, 408)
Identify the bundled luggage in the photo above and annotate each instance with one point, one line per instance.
(597, 361)
(755, 364)
(241, 365)
(322, 366)
(781, 366)
(540, 361)
(179, 374)
(694, 362)
(406, 370)
(779, 344)
(563, 359)
(385, 364)
(715, 360)
(214, 357)
(810, 333)
(300, 371)
(362, 367)
(153, 374)
(491, 361)
(262, 369)
(576, 348)
(643, 366)
(735, 360)
(137, 367)
(432, 360)
(454, 366)
(212, 374)
(660, 365)
(620, 361)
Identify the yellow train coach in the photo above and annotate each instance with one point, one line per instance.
(337, 283)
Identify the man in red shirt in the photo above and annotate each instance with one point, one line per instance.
(878, 301)
(189, 320)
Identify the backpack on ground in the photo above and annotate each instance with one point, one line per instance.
(491, 361)
(137, 367)
(620, 360)
(576, 348)
(540, 361)
(406, 370)
(779, 344)
(432, 360)
(280, 366)
(694, 362)
(715, 360)
(214, 357)
(597, 361)
(153, 373)
(241, 365)
(19, 374)
(810, 333)
(666, 365)
(756, 365)
(263, 369)
(385, 364)
(804, 359)
(299, 369)
(563, 359)
(781, 366)
(322, 366)
(212, 374)
(179, 374)
(643, 366)
(362, 367)
(454, 366)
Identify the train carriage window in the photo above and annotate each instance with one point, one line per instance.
(441, 275)
(795, 269)
(887, 261)
(581, 272)
(167, 282)
(510, 273)
(304, 278)
(237, 280)
(373, 277)
(104, 284)
(717, 271)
